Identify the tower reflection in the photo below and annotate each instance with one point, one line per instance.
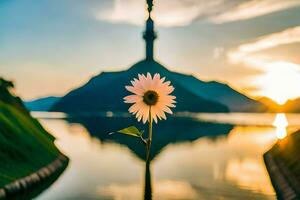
(148, 184)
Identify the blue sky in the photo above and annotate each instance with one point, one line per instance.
(51, 46)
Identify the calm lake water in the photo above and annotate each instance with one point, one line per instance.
(194, 156)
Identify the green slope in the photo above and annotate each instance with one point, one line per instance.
(24, 145)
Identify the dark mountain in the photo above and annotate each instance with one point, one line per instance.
(222, 93)
(105, 92)
(41, 104)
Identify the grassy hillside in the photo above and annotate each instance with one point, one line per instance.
(24, 145)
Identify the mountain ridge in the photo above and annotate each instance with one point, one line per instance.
(292, 106)
(192, 94)
(41, 104)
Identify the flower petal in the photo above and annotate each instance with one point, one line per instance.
(134, 90)
(154, 114)
(133, 99)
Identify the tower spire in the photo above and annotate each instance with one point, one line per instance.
(149, 34)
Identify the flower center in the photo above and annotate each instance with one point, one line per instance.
(150, 97)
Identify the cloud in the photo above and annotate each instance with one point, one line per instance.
(279, 78)
(166, 13)
(254, 8)
(128, 11)
(168, 189)
(242, 53)
(184, 12)
(218, 52)
(287, 36)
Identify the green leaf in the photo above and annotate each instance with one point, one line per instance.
(132, 131)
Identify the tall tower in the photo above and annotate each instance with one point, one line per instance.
(149, 34)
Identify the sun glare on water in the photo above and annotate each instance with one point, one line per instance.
(280, 123)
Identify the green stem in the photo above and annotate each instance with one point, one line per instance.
(149, 141)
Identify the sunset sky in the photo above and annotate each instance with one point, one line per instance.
(51, 46)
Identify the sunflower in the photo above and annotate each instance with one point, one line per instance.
(151, 97)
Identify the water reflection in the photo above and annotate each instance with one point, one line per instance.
(174, 130)
(281, 124)
(193, 160)
(148, 183)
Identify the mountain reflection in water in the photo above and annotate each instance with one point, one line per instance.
(190, 159)
(173, 130)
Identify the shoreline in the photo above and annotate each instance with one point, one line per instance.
(21, 185)
(283, 179)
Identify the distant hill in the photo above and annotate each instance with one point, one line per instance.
(292, 106)
(270, 104)
(222, 93)
(41, 104)
(105, 92)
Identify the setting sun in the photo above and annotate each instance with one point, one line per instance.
(280, 81)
